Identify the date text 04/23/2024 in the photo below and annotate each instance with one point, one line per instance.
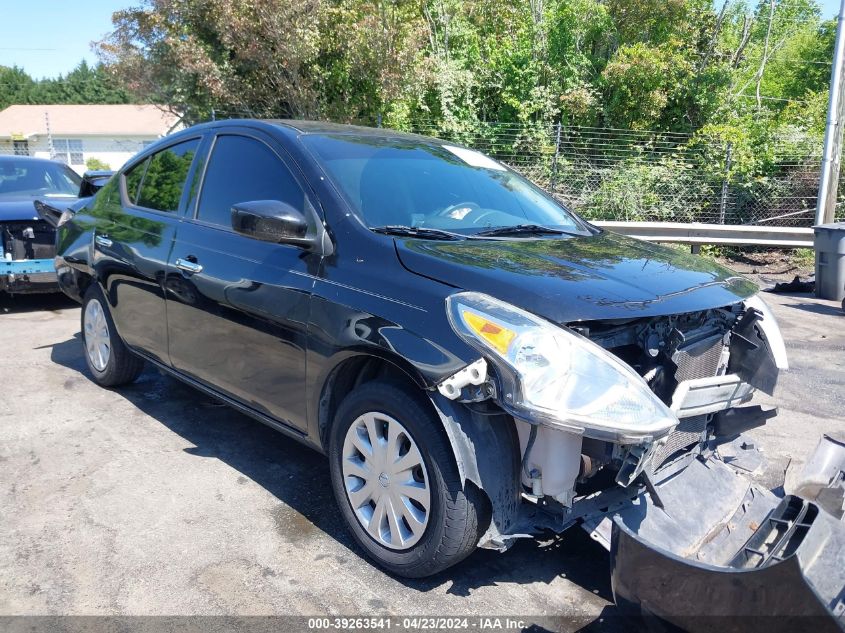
(417, 623)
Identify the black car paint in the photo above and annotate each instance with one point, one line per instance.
(267, 325)
(604, 276)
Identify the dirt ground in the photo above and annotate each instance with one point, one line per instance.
(770, 266)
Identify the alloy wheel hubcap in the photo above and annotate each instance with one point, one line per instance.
(97, 343)
(386, 481)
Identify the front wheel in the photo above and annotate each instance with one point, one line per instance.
(395, 479)
(109, 360)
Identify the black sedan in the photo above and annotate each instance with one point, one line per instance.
(477, 362)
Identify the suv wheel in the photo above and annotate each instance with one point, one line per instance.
(395, 479)
(109, 360)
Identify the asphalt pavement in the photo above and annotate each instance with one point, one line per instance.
(153, 499)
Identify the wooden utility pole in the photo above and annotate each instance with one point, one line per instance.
(831, 154)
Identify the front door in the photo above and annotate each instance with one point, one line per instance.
(238, 307)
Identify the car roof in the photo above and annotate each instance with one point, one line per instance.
(299, 128)
(8, 158)
(290, 128)
(325, 127)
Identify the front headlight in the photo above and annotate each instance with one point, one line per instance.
(558, 377)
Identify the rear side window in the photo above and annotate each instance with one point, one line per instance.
(162, 178)
(243, 169)
(133, 179)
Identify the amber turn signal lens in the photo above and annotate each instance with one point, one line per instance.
(498, 336)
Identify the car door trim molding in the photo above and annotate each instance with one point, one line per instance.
(232, 402)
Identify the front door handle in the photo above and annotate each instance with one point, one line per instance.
(188, 266)
(103, 241)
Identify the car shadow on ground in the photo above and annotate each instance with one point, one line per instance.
(280, 464)
(20, 304)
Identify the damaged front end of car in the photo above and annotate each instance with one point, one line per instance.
(633, 429)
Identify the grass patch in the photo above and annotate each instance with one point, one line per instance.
(804, 257)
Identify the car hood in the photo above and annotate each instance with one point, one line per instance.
(603, 276)
(23, 208)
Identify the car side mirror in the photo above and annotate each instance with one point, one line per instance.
(92, 182)
(271, 221)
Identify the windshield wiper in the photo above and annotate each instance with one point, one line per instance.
(519, 229)
(417, 231)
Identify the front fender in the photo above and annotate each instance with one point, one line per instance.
(486, 449)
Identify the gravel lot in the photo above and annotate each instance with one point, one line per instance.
(155, 500)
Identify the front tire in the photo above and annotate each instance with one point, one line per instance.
(109, 360)
(396, 482)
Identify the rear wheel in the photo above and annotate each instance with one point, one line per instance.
(395, 479)
(109, 360)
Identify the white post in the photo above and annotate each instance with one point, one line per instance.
(829, 182)
(52, 150)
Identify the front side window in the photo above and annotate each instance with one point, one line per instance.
(243, 169)
(157, 182)
(419, 183)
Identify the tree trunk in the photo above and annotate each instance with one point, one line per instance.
(763, 61)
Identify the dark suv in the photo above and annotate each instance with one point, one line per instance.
(477, 362)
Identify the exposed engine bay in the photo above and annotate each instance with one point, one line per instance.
(34, 239)
(704, 365)
(28, 248)
(678, 508)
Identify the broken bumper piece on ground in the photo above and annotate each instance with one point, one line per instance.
(722, 554)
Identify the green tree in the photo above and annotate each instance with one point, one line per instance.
(84, 84)
(15, 85)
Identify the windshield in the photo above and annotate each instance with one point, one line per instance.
(415, 183)
(20, 178)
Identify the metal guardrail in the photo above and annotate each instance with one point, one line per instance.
(723, 234)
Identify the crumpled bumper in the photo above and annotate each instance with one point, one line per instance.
(28, 275)
(722, 554)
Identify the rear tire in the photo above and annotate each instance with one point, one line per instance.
(438, 524)
(109, 360)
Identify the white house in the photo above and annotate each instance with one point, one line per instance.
(74, 134)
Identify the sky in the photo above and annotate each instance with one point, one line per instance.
(50, 37)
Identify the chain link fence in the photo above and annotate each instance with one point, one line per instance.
(604, 174)
(79, 153)
(612, 174)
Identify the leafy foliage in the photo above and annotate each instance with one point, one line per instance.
(707, 76)
(95, 164)
(83, 84)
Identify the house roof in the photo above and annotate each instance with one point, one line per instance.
(86, 120)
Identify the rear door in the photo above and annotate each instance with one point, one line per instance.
(133, 235)
(238, 307)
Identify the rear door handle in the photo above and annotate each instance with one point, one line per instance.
(103, 241)
(188, 266)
